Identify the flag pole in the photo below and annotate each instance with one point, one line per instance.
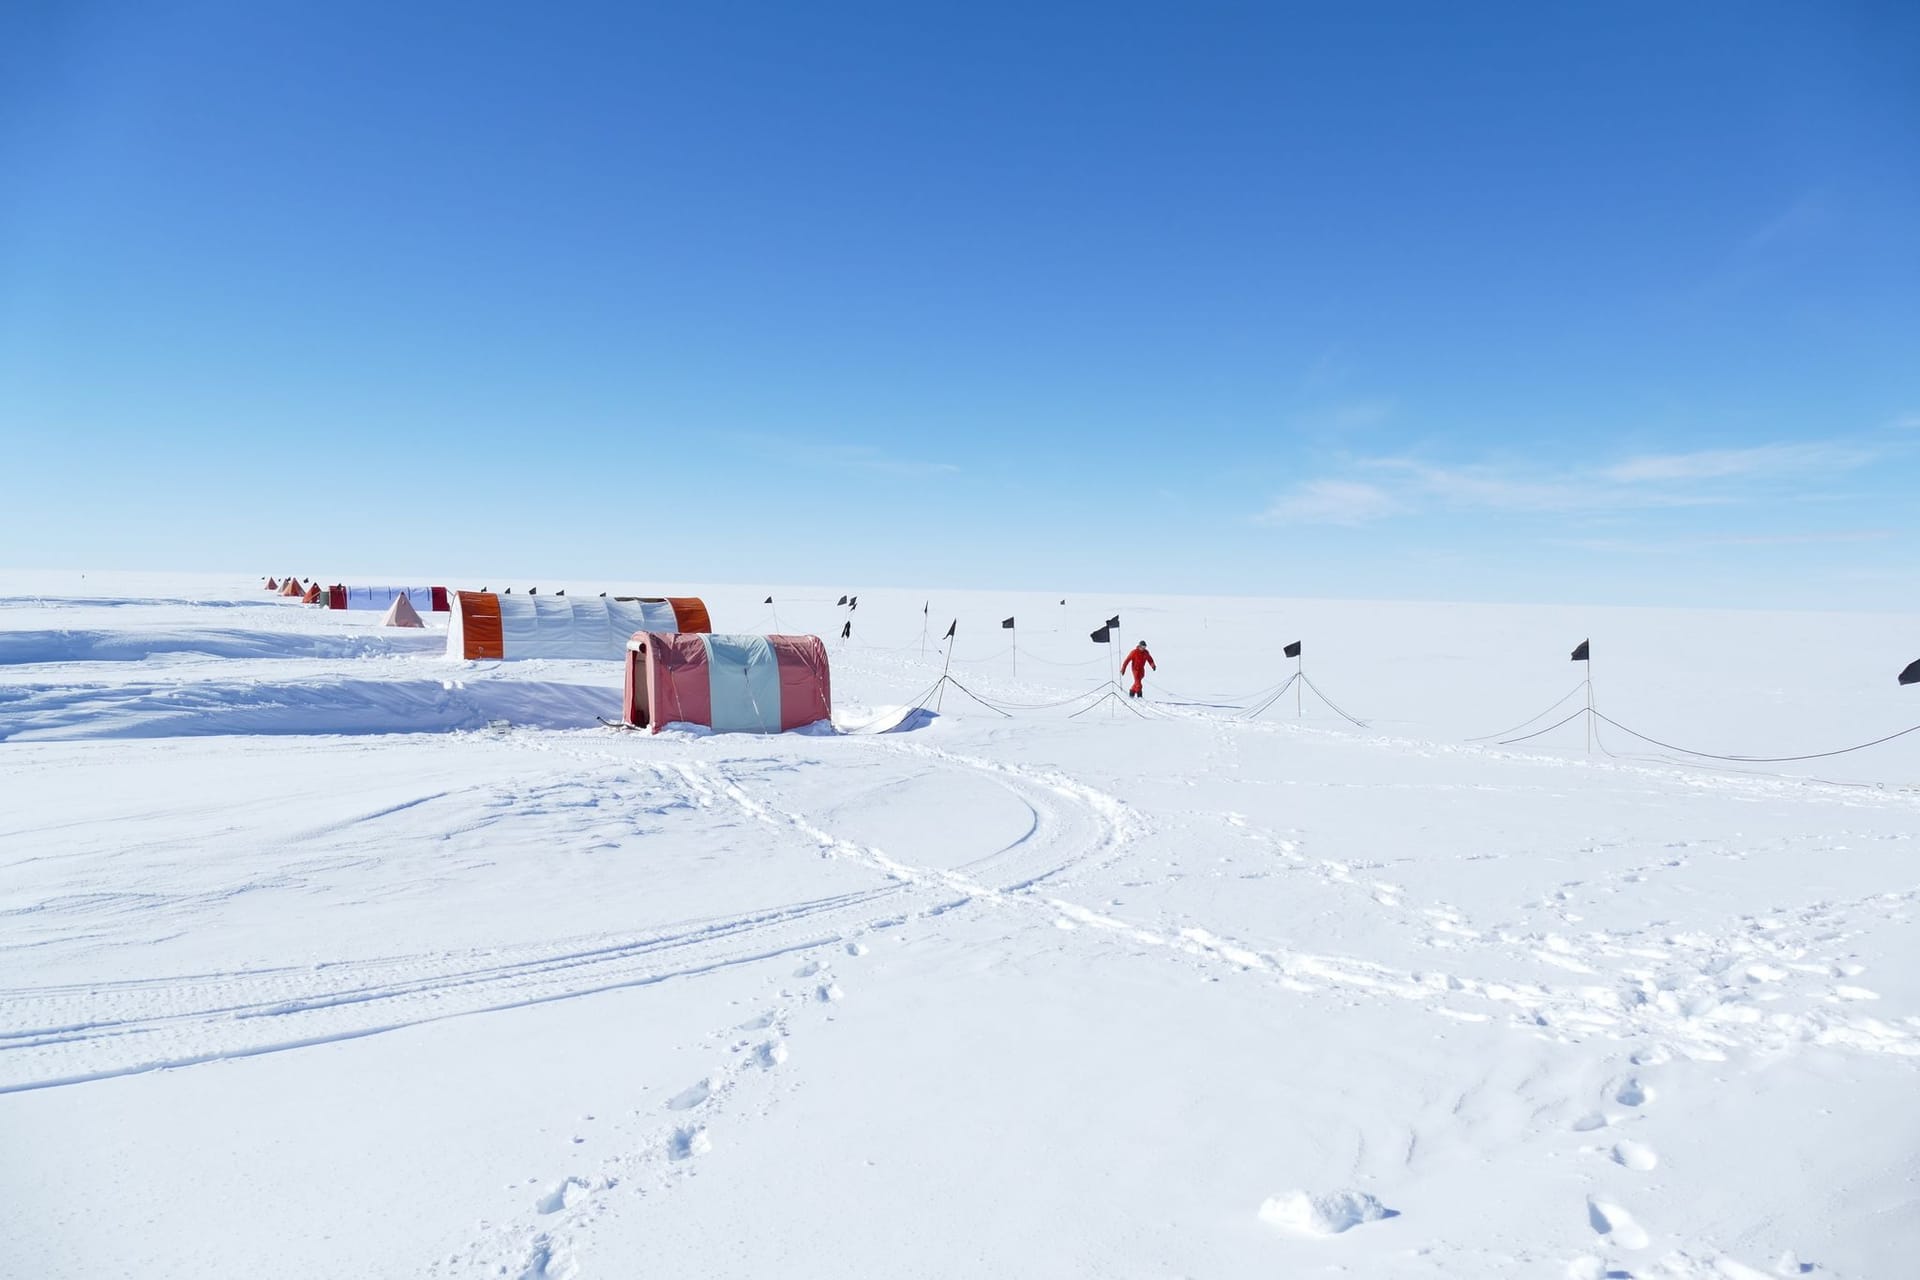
(1299, 668)
(1590, 699)
(942, 700)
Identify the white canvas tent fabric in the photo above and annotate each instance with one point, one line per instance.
(557, 626)
(401, 613)
(383, 597)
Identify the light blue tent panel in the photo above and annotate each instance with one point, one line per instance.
(744, 676)
(657, 615)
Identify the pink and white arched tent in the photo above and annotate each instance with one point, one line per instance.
(733, 684)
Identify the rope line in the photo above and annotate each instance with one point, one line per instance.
(1330, 702)
(1272, 698)
(1111, 693)
(1549, 729)
(998, 703)
(1555, 706)
(918, 704)
(976, 697)
(1708, 755)
(1236, 700)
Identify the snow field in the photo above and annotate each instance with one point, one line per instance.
(443, 981)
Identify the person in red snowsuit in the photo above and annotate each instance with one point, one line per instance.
(1137, 662)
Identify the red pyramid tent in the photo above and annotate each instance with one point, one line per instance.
(272, 585)
(311, 595)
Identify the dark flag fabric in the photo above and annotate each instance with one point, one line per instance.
(768, 600)
(846, 631)
(841, 600)
(1292, 650)
(853, 602)
(951, 628)
(1103, 636)
(1114, 622)
(1580, 654)
(1007, 624)
(1912, 674)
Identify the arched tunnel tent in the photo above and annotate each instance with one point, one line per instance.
(733, 684)
(488, 625)
(425, 599)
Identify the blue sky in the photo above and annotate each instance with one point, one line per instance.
(1612, 303)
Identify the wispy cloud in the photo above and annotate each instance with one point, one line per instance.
(1806, 212)
(855, 457)
(1675, 546)
(1379, 487)
(1344, 502)
(1718, 464)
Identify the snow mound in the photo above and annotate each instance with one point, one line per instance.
(1329, 1213)
(40, 648)
(330, 706)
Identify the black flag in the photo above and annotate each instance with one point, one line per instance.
(853, 602)
(1292, 650)
(1103, 636)
(1114, 622)
(846, 631)
(603, 595)
(533, 591)
(923, 608)
(841, 600)
(951, 628)
(1912, 674)
(560, 593)
(1580, 653)
(1007, 624)
(1063, 602)
(768, 600)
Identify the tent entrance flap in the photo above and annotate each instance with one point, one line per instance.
(746, 684)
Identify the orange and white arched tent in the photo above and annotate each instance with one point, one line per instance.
(488, 625)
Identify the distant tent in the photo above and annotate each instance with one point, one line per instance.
(291, 588)
(272, 585)
(311, 595)
(734, 684)
(401, 613)
(485, 625)
(382, 598)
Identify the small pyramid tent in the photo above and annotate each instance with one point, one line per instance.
(272, 585)
(292, 588)
(401, 613)
(311, 595)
